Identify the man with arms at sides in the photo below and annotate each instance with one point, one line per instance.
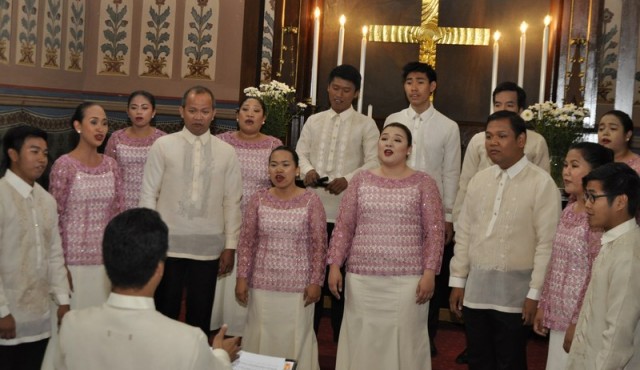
(334, 145)
(436, 151)
(127, 332)
(511, 97)
(503, 244)
(193, 179)
(31, 259)
(608, 329)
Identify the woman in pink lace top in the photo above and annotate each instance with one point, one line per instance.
(253, 149)
(575, 246)
(129, 146)
(87, 187)
(390, 234)
(281, 264)
(615, 131)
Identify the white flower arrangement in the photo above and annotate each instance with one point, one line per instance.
(279, 98)
(560, 126)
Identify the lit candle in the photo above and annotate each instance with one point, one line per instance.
(543, 60)
(314, 63)
(523, 42)
(363, 53)
(343, 20)
(370, 111)
(494, 67)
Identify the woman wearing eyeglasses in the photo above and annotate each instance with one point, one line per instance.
(575, 246)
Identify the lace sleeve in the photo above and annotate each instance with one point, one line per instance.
(432, 215)
(248, 239)
(346, 223)
(318, 236)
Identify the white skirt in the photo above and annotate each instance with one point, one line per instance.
(383, 327)
(556, 356)
(91, 286)
(279, 325)
(226, 308)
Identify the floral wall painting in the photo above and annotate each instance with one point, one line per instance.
(114, 37)
(201, 37)
(52, 38)
(5, 30)
(27, 32)
(266, 60)
(156, 38)
(75, 35)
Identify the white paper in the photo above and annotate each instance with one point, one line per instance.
(253, 361)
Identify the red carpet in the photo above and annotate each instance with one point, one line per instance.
(450, 342)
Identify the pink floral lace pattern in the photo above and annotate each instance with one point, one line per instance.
(131, 155)
(634, 163)
(575, 247)
(88, 197)
(254, 163)
(389, 227)
(283, 243)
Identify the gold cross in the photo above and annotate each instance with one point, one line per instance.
(428, 34)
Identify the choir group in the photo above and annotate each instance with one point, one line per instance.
(95, 272)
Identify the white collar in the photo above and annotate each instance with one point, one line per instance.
(18, 183)
(514, 170)
(191, 138)
(344, 115)
(618, 231)
(130, 302)
(424, 115)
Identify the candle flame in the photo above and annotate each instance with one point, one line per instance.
(316, 13)
(365, 30)
(523, 27)
(343, 20)
(496, 36)
(547, 20)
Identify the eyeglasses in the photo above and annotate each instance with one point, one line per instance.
(590, 197)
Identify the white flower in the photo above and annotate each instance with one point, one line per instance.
(527, 115)
(302, 105)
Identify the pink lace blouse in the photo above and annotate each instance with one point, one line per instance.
(88, 197)
(254, 163)
(131, 155)
(575, 246)
(283, 243)
(389, 227)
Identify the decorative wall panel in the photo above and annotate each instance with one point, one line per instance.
(115, 37)
(52, 38)
(27, 32)
(75, 35)
(156, 38)
(5, 30)
(200, 39)
(266, 62)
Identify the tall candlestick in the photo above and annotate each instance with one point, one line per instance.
(494, 67)
(523, 42)
(370, 111)
(314, 63)
(543, 60)
(343, 20)
(363, 54)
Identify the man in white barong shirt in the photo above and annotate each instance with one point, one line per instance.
(335, 145)
(435, 151)
(31, 259)
(503, 245)
(607, 335)
(126, 332)
(193, 179)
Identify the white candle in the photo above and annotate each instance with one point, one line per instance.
(543, 60)
(523, 42)
(314, 63)
(370, 111)
(494, 67)
(363, 54)
(343, 20)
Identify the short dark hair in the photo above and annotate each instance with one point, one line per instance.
(624, 119)
(511, 86)
(259, 100)
(14, 139)
(419, 67)
(134, 242)
(517, 123)
(197, 90)
(617, 178)
(285, 148)
(403, 128)
(147, 95)
(594, 154)
(346, 72)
